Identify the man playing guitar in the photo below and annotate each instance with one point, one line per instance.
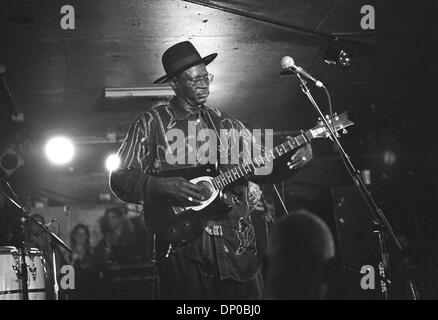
(218, 260)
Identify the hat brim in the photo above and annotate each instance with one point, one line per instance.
(206, 60)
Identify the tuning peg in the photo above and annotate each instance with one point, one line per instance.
(327, 116)
(344, 131)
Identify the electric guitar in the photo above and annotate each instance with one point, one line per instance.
(178, 224)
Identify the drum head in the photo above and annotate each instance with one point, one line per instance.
(8, 249)
(35, 251)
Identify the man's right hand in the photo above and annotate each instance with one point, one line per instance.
(177, 188)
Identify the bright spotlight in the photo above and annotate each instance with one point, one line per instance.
(60, 150)
(112, 162)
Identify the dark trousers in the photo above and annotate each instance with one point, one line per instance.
(183, 278)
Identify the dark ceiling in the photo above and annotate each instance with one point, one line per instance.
(58, 76)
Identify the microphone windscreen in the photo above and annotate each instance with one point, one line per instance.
(287, 62)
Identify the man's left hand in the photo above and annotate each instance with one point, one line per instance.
(301, 157)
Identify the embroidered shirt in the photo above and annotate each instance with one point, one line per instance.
(227, 246)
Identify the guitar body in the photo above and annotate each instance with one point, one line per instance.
(176, 224)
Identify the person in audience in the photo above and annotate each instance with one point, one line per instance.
(143, 237)
(118, 244)
(82, 260)
(300, 258)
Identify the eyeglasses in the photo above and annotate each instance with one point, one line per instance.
(198, 82)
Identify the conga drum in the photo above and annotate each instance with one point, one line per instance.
(10, 284)
(10, 274)
(37, 274)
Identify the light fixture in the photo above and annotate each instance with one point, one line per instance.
(337, 53)
(344, 58)
(60, 150)
(153, 91)
(10, 161)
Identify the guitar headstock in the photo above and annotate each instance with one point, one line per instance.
(337, 122)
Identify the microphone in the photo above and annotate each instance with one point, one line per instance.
(287, 63)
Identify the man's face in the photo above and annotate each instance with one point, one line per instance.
(188, 87)
(81, 236)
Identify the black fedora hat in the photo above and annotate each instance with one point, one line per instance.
(180, 57)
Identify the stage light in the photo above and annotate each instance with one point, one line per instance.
(344, 58)
(338, 53)
(60, 150)
(112, 162)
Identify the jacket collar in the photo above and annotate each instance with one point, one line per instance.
(179, 111)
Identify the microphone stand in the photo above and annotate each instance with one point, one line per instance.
(381, 225)
(54, 240)
(24, 274)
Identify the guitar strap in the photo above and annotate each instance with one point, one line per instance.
(205, 111)
(208, 117)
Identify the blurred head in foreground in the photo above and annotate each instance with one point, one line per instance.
(300, 258)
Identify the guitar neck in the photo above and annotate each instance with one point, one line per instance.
(239, 171)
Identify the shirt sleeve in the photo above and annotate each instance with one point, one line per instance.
(130, 181)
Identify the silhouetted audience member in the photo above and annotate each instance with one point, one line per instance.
(300, 258)
(118, 245)
(82, 259)
(143, 237)
(117, 254)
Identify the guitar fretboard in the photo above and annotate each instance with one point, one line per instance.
(239, 171)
